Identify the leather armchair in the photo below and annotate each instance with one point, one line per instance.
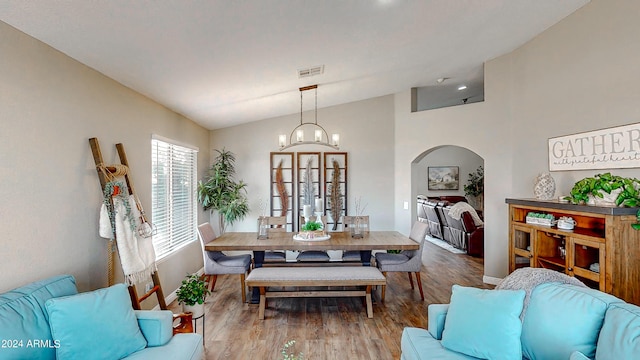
(465, 235)
(442, 215)
(421, 203)
(433, 219)
(475, 235)
(457, 235)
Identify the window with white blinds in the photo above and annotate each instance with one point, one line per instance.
(173, 196)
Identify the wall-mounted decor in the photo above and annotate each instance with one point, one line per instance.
(282, 189)
(335, 187)
(299, 178)
(309, 180)
(612, 148)
(443, 177)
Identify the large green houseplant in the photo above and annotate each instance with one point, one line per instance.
(475, 187)
(615, 189)
(222, 193)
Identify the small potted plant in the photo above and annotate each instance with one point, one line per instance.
(311, 229)
(191, 294)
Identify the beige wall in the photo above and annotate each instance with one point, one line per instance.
(366, 134)
(579, 75)
(50, 105)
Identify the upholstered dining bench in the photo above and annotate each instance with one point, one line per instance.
(328, 276)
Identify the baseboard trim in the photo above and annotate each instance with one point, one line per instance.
(491, 280)
(172, 296)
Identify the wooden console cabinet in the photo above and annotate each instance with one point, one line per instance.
(603, 251)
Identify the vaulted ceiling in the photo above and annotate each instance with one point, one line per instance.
(227, 62)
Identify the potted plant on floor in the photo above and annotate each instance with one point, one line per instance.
(191, 294)
(474, 188)
(221, 192)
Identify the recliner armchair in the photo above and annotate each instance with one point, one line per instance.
(465, 234)
(441, 210)
(456, 234)
(433, 219)
(475, 235)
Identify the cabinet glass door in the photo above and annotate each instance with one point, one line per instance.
(521, 249)
(551, 250)
(586, 262)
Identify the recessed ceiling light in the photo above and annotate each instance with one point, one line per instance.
(462, 87)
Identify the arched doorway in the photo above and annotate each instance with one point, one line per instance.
(453, 159)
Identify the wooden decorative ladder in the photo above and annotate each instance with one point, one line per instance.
(101, 168)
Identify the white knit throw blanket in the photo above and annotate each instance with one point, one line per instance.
(458, 208)
(528, 278)
(137, 255)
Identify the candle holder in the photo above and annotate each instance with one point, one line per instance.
(319, 220)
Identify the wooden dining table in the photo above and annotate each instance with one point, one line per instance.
(371, 240)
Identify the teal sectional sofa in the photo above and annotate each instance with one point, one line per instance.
(561, 321)
(49, 319)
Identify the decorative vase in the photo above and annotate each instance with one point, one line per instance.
(196, 310)
(545, 187)
(477, 202)
(356, 227)
(262, 227)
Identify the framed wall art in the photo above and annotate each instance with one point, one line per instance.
(443, 177)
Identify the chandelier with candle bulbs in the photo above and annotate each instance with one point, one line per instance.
(320, 135)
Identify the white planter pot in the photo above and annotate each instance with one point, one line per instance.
(197, 309)
(607, 200)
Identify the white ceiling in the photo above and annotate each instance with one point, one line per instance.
(227, 62)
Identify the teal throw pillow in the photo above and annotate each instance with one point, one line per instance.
(484, 323)
(95, 325)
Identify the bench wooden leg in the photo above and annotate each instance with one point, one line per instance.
(384, 287)
(419, 284)
(263, 303)
(244, 290)
(369, 303)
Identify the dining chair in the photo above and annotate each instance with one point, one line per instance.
(217, 263)
(409, 261)
(313, 255)
(275, 224)
(347, 223)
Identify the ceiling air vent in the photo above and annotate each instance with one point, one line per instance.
(312, 71)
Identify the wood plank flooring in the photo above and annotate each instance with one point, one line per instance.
(333, 328)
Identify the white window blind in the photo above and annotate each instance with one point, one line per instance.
(173, 196)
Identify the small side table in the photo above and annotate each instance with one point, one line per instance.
(195, 326)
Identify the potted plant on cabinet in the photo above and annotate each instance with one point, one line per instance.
(191, 294)
(606, 189)
(221, 192)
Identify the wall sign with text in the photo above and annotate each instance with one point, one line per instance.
(613, 148)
